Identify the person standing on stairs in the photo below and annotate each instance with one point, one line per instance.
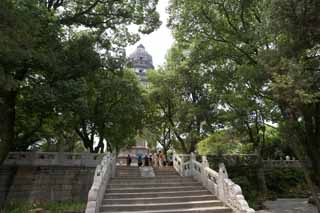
(129, 160)
(155, 159)
(146, 160)
(161, 159)
(139, 160)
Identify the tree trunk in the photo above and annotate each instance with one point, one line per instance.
(7, 124)
(100, 147)
(192, 146)
(313, 174)
(314, 189)
(261, 179)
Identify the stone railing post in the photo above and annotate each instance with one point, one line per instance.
(204, 176)
(114, 166)
(221, 186)
(192, 160)
(181, 169)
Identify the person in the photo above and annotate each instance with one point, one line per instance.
(139, 161)
(161, 159)
(155, 159)
(150, 159)
(170, 161)
(146, 160)
(129, 160)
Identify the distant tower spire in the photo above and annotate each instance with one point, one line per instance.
(141, 61)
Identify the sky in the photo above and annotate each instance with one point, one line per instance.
(157, 43)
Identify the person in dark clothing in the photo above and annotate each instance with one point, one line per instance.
(129, 160)
(146, 160)
(139, 161)
(150, 159)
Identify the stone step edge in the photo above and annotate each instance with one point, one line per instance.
(147, 184)
(179, 210)
(147, 178)
(155, 188)
(160, 198)
(160, 204)
(149, 193)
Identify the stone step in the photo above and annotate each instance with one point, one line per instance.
(159, 206)
(215, 209)
(166, 173)
(164, 170)
(154, 189)
(146, 179)
(168, 199)
(151, 185)
(130, 176)
(168, 176)
(118, 195)
(127, 168)
(153, 180)
(150, 178)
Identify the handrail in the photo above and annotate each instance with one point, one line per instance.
(217, 183)
(104, 171)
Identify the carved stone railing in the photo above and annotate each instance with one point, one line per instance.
(52, 159)
(217, 183)
(245, 160)
(104, 171)
(270, 164)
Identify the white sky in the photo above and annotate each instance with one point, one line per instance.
(158, 42)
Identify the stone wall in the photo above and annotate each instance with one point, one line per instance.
(51, 183)
(6, 178)
(47, 177)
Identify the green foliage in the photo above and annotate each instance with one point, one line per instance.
(287, 183)
(182, 95)
(263, 63)
(281, 183)
(220, 142)
(50, 52)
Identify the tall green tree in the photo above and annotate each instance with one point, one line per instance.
(183, 95)
(225, 37)
(293, 65)
(264, 60)
(25, 51)
(43, 50)
(111, 110)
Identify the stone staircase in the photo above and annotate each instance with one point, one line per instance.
(166, 192)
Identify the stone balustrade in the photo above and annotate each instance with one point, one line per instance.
(217, 183)
(252, 160)
(104, 171)
(283, 164)
(53, 159)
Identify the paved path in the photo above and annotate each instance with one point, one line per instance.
(289, 206)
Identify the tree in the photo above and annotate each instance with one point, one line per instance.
(225, 37)
(24, 49)
(42, 48)
(182, 94)
(293, 65)
(264, 59)
(157, 129)
(112, 110)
